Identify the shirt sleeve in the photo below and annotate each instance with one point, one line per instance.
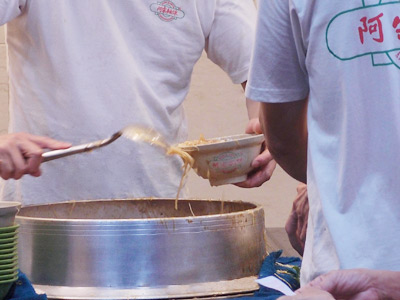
(231, 37)
(10, 9)
(278, 72)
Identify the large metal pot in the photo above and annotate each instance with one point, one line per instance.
(141, 248)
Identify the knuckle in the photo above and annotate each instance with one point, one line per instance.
(18, 176)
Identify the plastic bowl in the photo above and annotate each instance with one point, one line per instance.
(5, 241)
(9, 266)
(8, 245)
(9, 280)
(9, 229)
(9, 250)
(225, 159)
(7, 256)
(10, 276)
(7, 235)
(8, 211)
(5, 263)
(11, 270)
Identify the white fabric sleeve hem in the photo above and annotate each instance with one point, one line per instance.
(275, 96)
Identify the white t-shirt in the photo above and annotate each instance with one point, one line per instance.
(346, 56)
(81, 70)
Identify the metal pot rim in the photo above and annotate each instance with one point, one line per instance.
(256, 208)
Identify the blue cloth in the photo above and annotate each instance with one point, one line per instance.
(22, 290)
(286, 269)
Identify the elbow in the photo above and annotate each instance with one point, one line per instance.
(292, 159)
(278, 149)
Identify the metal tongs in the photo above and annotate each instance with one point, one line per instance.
(131, 132)
(54, 154)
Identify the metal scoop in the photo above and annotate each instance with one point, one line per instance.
(133, 133)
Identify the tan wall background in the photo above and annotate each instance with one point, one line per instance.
(3, 85)
(214, 107)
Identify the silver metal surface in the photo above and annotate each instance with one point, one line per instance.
(142, 248)
(205, 289)
(54, 154)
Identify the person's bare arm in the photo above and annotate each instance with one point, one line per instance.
(263, 164)
(253, 112)
(285, 129)
(296, 224)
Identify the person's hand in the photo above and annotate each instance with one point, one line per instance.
(359, 284)
(21, 153)
(309, 293)
(354, 284)
(296, 224)
(264, 165)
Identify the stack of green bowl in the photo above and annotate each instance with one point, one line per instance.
(8, 258)
(8, 246)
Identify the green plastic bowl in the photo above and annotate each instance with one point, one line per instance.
(5, 262)
(7, 235)
(8, 240)
(8, 245)
(9, 280)
(9, 266)
(9, 276)
(8, 256)
(8, 250)
(9, 228)
(9, 271)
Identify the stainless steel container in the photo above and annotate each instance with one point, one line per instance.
(141, 248)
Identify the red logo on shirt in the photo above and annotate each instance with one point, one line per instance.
(372, 30)
(167, 11)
